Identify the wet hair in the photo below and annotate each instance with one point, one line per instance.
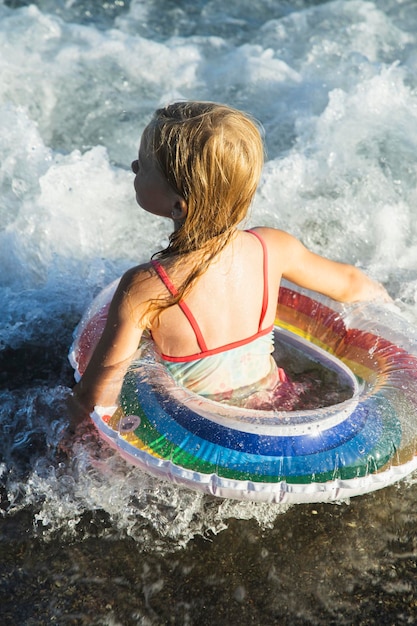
(212, 156)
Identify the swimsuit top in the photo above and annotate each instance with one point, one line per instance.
(204, 352)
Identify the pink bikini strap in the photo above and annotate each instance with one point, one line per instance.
(184, 307)
(266, 292)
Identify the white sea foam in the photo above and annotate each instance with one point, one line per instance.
(334, 86)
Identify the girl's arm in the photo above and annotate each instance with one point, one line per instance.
(103, 377)
(340, 281)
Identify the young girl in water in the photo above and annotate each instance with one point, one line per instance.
(209, 299)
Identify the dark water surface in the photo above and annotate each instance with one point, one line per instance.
(318, 565)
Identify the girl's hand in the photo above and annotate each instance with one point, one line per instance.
(377, 291)
(77, 413)
(78, 422)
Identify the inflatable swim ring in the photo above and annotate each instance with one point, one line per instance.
(362, 443)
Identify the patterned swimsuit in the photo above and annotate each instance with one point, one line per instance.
(233, 371)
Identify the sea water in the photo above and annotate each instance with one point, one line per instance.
(85, 538)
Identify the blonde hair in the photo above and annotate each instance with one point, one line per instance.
(212, 156)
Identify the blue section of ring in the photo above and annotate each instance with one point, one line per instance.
(266, 445)
(372, 440)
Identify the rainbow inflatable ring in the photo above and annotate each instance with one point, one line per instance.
(355, 446)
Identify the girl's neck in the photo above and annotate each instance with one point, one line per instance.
(178, 224)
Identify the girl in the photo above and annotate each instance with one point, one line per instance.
(209, 299)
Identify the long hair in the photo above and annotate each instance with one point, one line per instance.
(212, 156)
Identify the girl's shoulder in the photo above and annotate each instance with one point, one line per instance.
(139, 279)
(284, 250)
(276, 240)
(137, 287)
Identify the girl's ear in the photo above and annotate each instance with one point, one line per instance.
(179, 211)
